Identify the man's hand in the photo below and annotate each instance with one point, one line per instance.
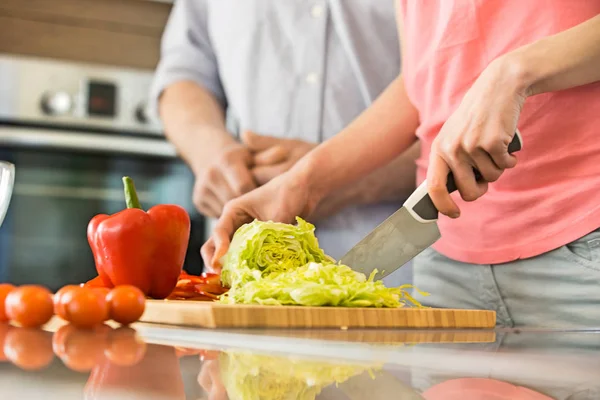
(273, 156)
(476, 136)
(225, 177)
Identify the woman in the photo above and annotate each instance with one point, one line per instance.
(474, 72)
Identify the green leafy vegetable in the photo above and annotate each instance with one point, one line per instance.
(248, 376)
(280, 264)
(267, 247)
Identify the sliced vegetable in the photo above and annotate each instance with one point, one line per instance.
(261, 248)
(206, 287)
(279, 264)
(320, 285)
(98, 282)
(247, 375)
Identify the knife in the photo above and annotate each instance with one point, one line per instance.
(406, 233)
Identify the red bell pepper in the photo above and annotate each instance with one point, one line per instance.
(143, 249)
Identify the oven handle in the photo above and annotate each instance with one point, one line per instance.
(96, 143)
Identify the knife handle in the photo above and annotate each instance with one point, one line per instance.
(419, 203)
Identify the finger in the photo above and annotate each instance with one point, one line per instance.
(204, 377)
(272, 155)
(466, 181)
(232, 218)
(222, 239)
(208, 204)
(239, 179)
(217, 184)
(437, 177)
(256, 142)
(486, 166)
(265, 173)
(498, 151)
(207, 252)
(218, 391)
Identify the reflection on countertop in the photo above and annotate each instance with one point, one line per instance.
(149, 361)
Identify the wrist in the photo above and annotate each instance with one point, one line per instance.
(306, 173)
(521, 71)
(207, 148)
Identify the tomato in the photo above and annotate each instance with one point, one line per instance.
(84, 307)
(124, 347)
(127, 304)
(79, 349)
(59, 308)
(101, 291)
(29, 349)
(29, 306)
(4, 329)
(5, 289)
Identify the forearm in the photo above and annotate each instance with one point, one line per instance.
(375, 138)
(562, 61)
(393, 182)
(194, 122)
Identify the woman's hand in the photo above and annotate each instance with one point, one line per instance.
(477, 136)
(281, 200)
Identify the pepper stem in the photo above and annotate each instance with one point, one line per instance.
(131, 197)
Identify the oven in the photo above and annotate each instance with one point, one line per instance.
(73, 131)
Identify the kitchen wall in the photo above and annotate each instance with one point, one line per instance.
(113, 32)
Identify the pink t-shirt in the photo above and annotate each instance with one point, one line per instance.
(552, 197)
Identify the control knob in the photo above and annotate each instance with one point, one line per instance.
(56, 103)
(141, 114)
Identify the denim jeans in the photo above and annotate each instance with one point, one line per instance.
(558, 289)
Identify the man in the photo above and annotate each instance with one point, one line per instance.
(472, 73)
(280, 77)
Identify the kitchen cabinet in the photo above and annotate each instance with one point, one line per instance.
(111, 32)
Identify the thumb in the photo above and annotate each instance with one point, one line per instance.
(207, 251)
(221, 240)
(256, 142)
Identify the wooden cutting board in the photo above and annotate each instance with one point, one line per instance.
(216, 315)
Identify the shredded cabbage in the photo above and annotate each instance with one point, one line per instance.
(281, 264)
(248, 376)
(267, 247)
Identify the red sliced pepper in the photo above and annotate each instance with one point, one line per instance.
(98, 282)
(143, 249)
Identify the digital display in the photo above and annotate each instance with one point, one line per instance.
(102, 99)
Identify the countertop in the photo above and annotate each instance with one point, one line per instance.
(147, 361)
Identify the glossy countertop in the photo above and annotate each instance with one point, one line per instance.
(147, 361)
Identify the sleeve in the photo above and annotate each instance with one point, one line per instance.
(186, 52)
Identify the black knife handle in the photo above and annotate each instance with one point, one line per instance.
(425, 208)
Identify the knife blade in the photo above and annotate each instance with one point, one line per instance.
(406, 233)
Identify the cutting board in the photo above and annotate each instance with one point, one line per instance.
(216, 315)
